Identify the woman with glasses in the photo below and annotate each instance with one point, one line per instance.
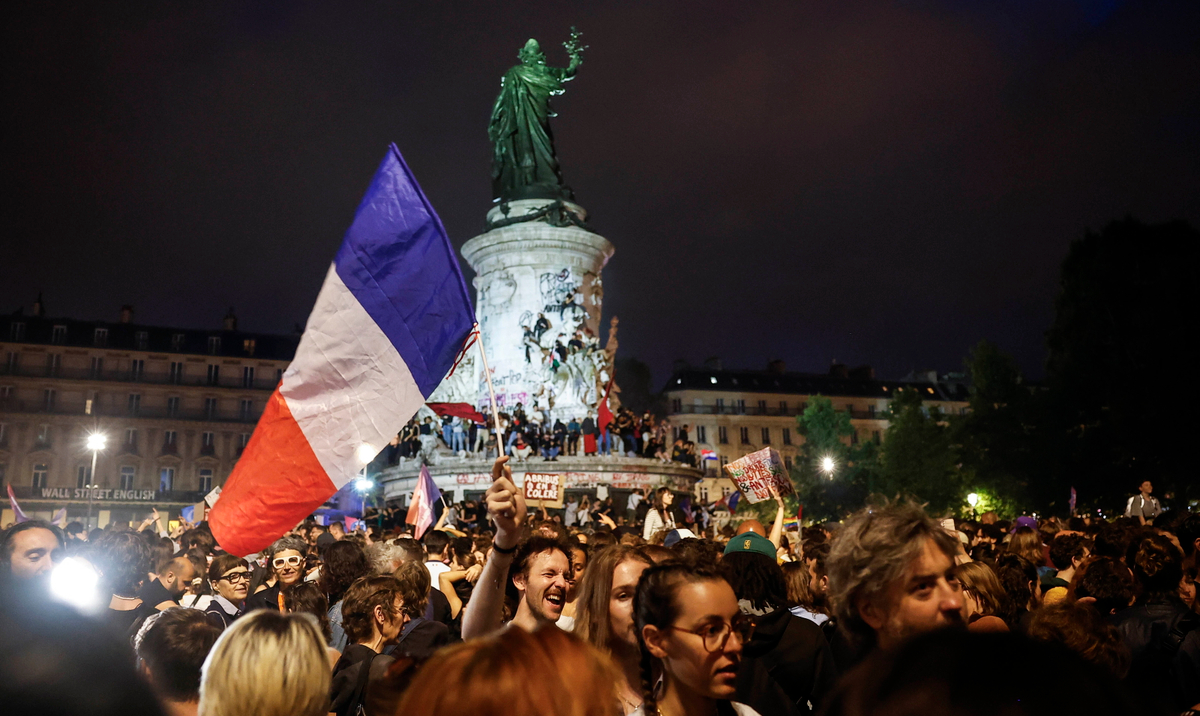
(285, 560)
(230, 579)
(691, 632)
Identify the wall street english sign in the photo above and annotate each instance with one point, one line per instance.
(99, 493)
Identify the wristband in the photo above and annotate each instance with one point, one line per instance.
(500, 550)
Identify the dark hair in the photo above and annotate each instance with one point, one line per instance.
(655, 604)
(1157, 565)
(358, 606)
(174, 644)
(1112, 541)
(342, 563)
(1107, 581)
(1083, 631)
(658, 506)
(9, 535)
(198, 537)
(1017, 577)
(75, 528)
(436, 541)
(413, 551)
(123, 560)
(1066, 548)
(1187, 530)
(308, 598)
(817, 554)
(414, 582)
(757, 578)
(162, 551)
(532, 547)
(222, 563)
(697, 551)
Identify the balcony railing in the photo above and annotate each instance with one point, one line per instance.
(142, 378)
(107, 494)
(761, 411)
(233, 415)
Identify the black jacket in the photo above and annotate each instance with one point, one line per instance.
(786, 656)
(350, 681)
(1164, 639)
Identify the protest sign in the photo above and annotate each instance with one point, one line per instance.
(757, 472)
(544, 489)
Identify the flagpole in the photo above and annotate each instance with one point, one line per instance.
(487, 374)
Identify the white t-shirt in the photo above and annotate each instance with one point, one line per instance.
(436, 569)
(635, 499)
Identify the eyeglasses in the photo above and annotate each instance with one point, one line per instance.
(235, 577)
(716, 636)
(293, 561)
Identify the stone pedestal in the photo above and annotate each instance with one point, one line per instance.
(538, 301)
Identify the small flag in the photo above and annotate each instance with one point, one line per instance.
(351, 523)
(708, 454)
(60, 517)
(188, 513)
(1071, 502)
(604, 414)
(389, 321)
(424, 497)
(12, 500)
(733, 501)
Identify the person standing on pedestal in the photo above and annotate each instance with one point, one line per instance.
(588, 429)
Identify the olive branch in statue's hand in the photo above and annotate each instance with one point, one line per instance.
(572, 45)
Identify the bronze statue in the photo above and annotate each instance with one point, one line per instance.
(524, 165)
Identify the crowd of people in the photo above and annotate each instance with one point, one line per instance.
(529, 435)
(497, 610)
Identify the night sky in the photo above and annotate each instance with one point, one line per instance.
(872, 182)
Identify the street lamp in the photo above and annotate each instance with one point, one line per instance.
(827, 465)
(95, 443)
(972, 500)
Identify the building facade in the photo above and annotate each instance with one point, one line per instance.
(735, 412)
(176, 407)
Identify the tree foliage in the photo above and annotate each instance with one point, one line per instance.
(917, 458)
(826, 432)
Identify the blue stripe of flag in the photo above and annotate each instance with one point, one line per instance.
(398, 262)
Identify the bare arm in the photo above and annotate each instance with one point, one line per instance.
(446, 582)
(777, 528)
(506, 507)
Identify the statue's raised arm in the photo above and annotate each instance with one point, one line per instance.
(524, 164)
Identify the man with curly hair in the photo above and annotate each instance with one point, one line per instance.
(891, 576)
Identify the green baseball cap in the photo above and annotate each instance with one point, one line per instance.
(751, 542)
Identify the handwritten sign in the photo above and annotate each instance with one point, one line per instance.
(544, 489)
(755, 473)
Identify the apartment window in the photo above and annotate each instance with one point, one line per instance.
(783, 407)
(248, 377)
(3, 434)
(43, 435)
(6, 392)
(16, 331)
(676, 405)
(208, 442)
(40, 472)
(787, 436)
(701, 434)
(243, 441)
(97, 367)
(169, 439)
(58, 335)
(766, 436)
(876, 437)
(741, 407)
(83, 476)
(49, 395)
(720, 405)
(787, 463)
(871, 411)
(745, 435)
(726, 490)
(100, 337)
(210, 408)
(141, 339)
(248, 346)
(214, 345)
(176, 341)
(206, 476)
(214, 374)
(135, 403)
(166, 479)
(131, 439)
(278, 376)
(762, 407)
(703, 494)
(128, 477)
(11, 360)
(722, 434)
(173, 406)
(53, 363)
(246, 409)
(176, 375)
(137, 368)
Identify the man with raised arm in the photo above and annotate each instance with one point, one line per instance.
(538, 566)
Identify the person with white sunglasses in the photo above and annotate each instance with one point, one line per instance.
(286, 565)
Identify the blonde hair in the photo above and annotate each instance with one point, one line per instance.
(267, 664)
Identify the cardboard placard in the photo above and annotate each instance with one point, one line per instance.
(755, 473)
(544, 489)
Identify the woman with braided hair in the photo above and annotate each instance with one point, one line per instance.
(691, 632)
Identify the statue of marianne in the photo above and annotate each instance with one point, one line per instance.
(524, 165)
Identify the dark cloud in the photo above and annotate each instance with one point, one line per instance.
(872, 182)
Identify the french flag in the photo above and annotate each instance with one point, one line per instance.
(389, 321)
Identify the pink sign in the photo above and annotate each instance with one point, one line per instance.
(757, 472)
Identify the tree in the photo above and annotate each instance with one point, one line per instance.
(917, 458)
(828, 495)
(1119, 390)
